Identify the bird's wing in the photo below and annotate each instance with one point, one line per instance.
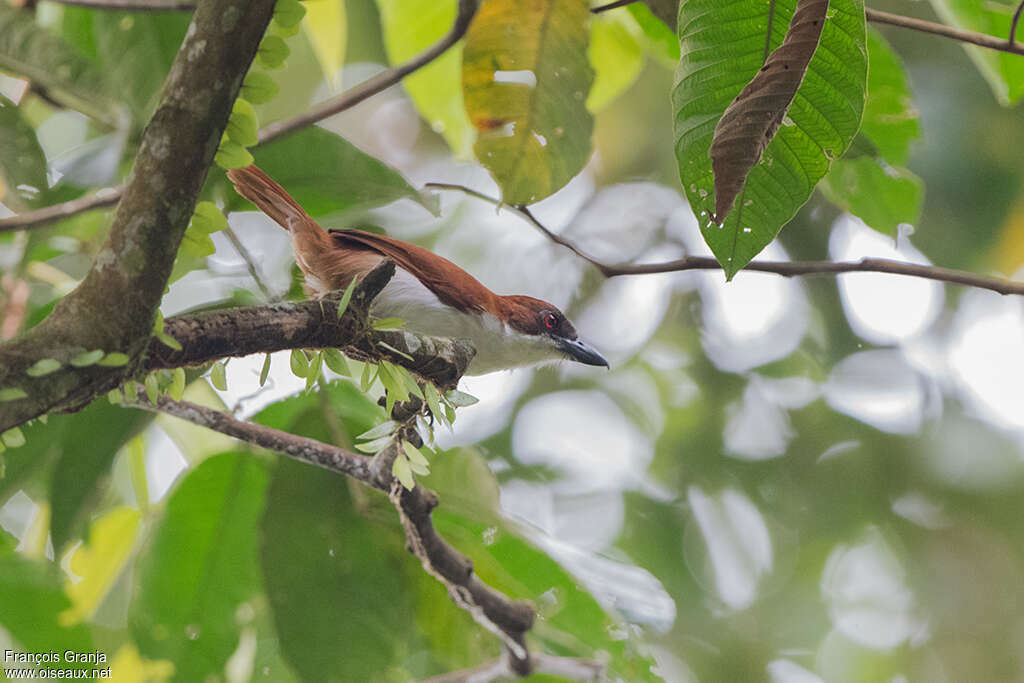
(451, 284)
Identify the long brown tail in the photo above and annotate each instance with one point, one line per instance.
(260, 189)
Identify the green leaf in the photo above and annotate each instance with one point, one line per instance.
(258, 88)
(23, 180)
(723, 46)
(299, 363)
(416, 458)
(336, 362)
(218, 376)
(79, 481)
(207, 218)
(288, 13)
(231, 155)
(242, 126)
(384, 429)
(169, 341)
(131, 391)
(661, 41)
(346, 297)
(334, 580)
(326, 26)
(882, 196)
(326, 174)
(273, 52)
(265, 370)
(460, 399)
(152, 387)
(133, 51)
(890, 117)
(369, 375)
(13, 438)
(433, 400)
(12, 394)
(87, 358)
(384, 324)
(100, 560)
(392, 349)
(1003, 71)
(375, 446)
(202, 567)
(33, 600)
(43, 367)
(403, 473)
(410, 382)
(616, 54)
(29, 50)
(313, 374)
(177, 388)
(115, 359)
(411, 26)
(525, 80)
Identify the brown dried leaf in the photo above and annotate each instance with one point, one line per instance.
(751, 120)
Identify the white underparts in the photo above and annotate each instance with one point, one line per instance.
(498, 346)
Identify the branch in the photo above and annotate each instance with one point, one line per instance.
(335, 105)
(961, 35)
(234, 332)
(250, 262)
(879, 17)
(510, 619)
(785, 268)
(114, 306)
(382, 81)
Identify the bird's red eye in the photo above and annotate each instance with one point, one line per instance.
(550, 321)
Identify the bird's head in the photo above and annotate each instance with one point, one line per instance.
(547, 329)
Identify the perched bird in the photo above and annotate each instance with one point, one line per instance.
(431, 294)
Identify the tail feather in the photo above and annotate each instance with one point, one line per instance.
(260, 189)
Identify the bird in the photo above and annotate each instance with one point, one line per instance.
(431, 294)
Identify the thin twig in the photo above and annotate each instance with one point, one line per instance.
(382, 81)
(50, 214)
(250, 263)
(498, 669)
(335, 105)
(1014, 22)
(961, 35)
(785, 268)
(880, 17)
(510, 619)
(132, 5)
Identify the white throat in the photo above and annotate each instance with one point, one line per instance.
(498, 346)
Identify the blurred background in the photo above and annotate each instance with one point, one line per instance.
(794, 480)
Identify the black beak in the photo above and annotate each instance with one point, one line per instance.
(579, 350)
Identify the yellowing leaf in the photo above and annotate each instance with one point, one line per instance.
(411, 26)
(130, 667)
(99, 562)
(327, 28)
(525, 80)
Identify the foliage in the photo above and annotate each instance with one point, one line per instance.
(706, 506)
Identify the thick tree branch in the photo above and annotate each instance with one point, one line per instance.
(382, 81)
(509, 619)
(113, 308)
(785, 268)
(335, 105)
(132, 5)
(233, 332)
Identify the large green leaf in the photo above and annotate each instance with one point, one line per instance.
(616, 53)
(881, 195)
(525, 79)
(33, 600)
(723, 46)
(28, 50)
(133, 50)
(327, 174)
(411, 26)
(334, 580)
(202, 567)
(891, 120)
(1003, 71)
(85, 461)
(22, 164)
